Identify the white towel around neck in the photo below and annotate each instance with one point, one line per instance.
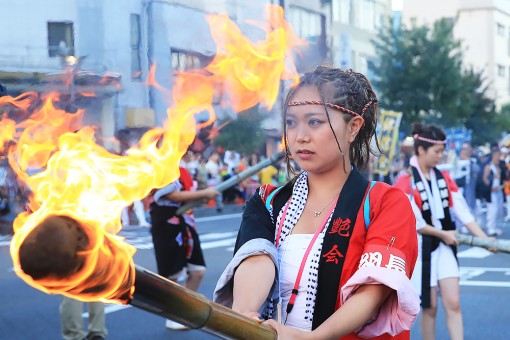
(435, 201)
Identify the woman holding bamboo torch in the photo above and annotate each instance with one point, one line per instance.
(328, 255)
(434, 196)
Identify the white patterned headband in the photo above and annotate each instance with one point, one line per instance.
(428, 140)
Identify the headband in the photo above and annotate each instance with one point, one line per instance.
(338, 107)
(428, 140)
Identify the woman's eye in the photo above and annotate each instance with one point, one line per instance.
(314, 122)
(290, 122)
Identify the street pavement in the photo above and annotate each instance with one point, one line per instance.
(26, 313)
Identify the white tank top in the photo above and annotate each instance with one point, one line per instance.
(291, 254)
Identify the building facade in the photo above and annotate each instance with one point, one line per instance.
(354, 24)
(483, 26)
(108, 48)
(45, 46)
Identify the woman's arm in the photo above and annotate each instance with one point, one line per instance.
(184, 196)
(253, 280)
(486, 173)
(475, 229)
(353, 314)
(448, 236)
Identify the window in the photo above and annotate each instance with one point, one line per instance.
(367, 17)
(509, 44)
(60, 39)
(309, 26)
(185, 61)
(501, 70)
(136, 65)
(341, 11)
(232, 8)
(306, 24)
(500, 29)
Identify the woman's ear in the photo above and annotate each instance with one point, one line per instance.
(355, 124)
(421, 150)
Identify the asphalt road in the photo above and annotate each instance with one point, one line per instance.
(26, 313)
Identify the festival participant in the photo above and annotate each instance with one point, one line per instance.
(328, 255)
(493, 178)
(433, 196)
(179, 256)
(71, 320)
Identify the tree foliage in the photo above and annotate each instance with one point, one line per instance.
(420, 73)
(243, 134)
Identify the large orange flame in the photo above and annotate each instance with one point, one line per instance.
(70, 175)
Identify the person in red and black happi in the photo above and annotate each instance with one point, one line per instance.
(325, 256)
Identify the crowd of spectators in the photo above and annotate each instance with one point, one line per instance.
(482, 175)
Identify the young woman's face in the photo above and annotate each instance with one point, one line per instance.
(432, 156)
(310, 139)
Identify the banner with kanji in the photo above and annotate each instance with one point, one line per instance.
(387, 135)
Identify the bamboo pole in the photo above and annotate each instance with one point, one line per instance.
(235, 179)
(163, 297)
(487, 243)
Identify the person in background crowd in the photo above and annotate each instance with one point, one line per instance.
(213, 167)
(494, 177)
(471, 175)
(139, 210)
(243, 185)
(268, 175)
(305, 255)
(71, 320)
(202, 176)
(190, 162)
(399, 166)
(282, 172)
(179, 256)
(252, 182)
(505, 157)
(433, 196)
(231, 161)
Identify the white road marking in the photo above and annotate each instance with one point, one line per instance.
(5, 240)
(485, 284)
(217, 244)
(468, 273)
(219, 217)
(215, 236)
(474, 253)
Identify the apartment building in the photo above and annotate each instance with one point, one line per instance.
(483, 26)
(354, 24)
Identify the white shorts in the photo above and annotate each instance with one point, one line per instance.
(443, 265)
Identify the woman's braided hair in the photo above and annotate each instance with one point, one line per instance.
(350, 90)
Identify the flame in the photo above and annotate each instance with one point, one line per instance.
(7, 132)
(71, 176)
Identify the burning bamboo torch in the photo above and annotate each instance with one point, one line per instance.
(58, 249)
